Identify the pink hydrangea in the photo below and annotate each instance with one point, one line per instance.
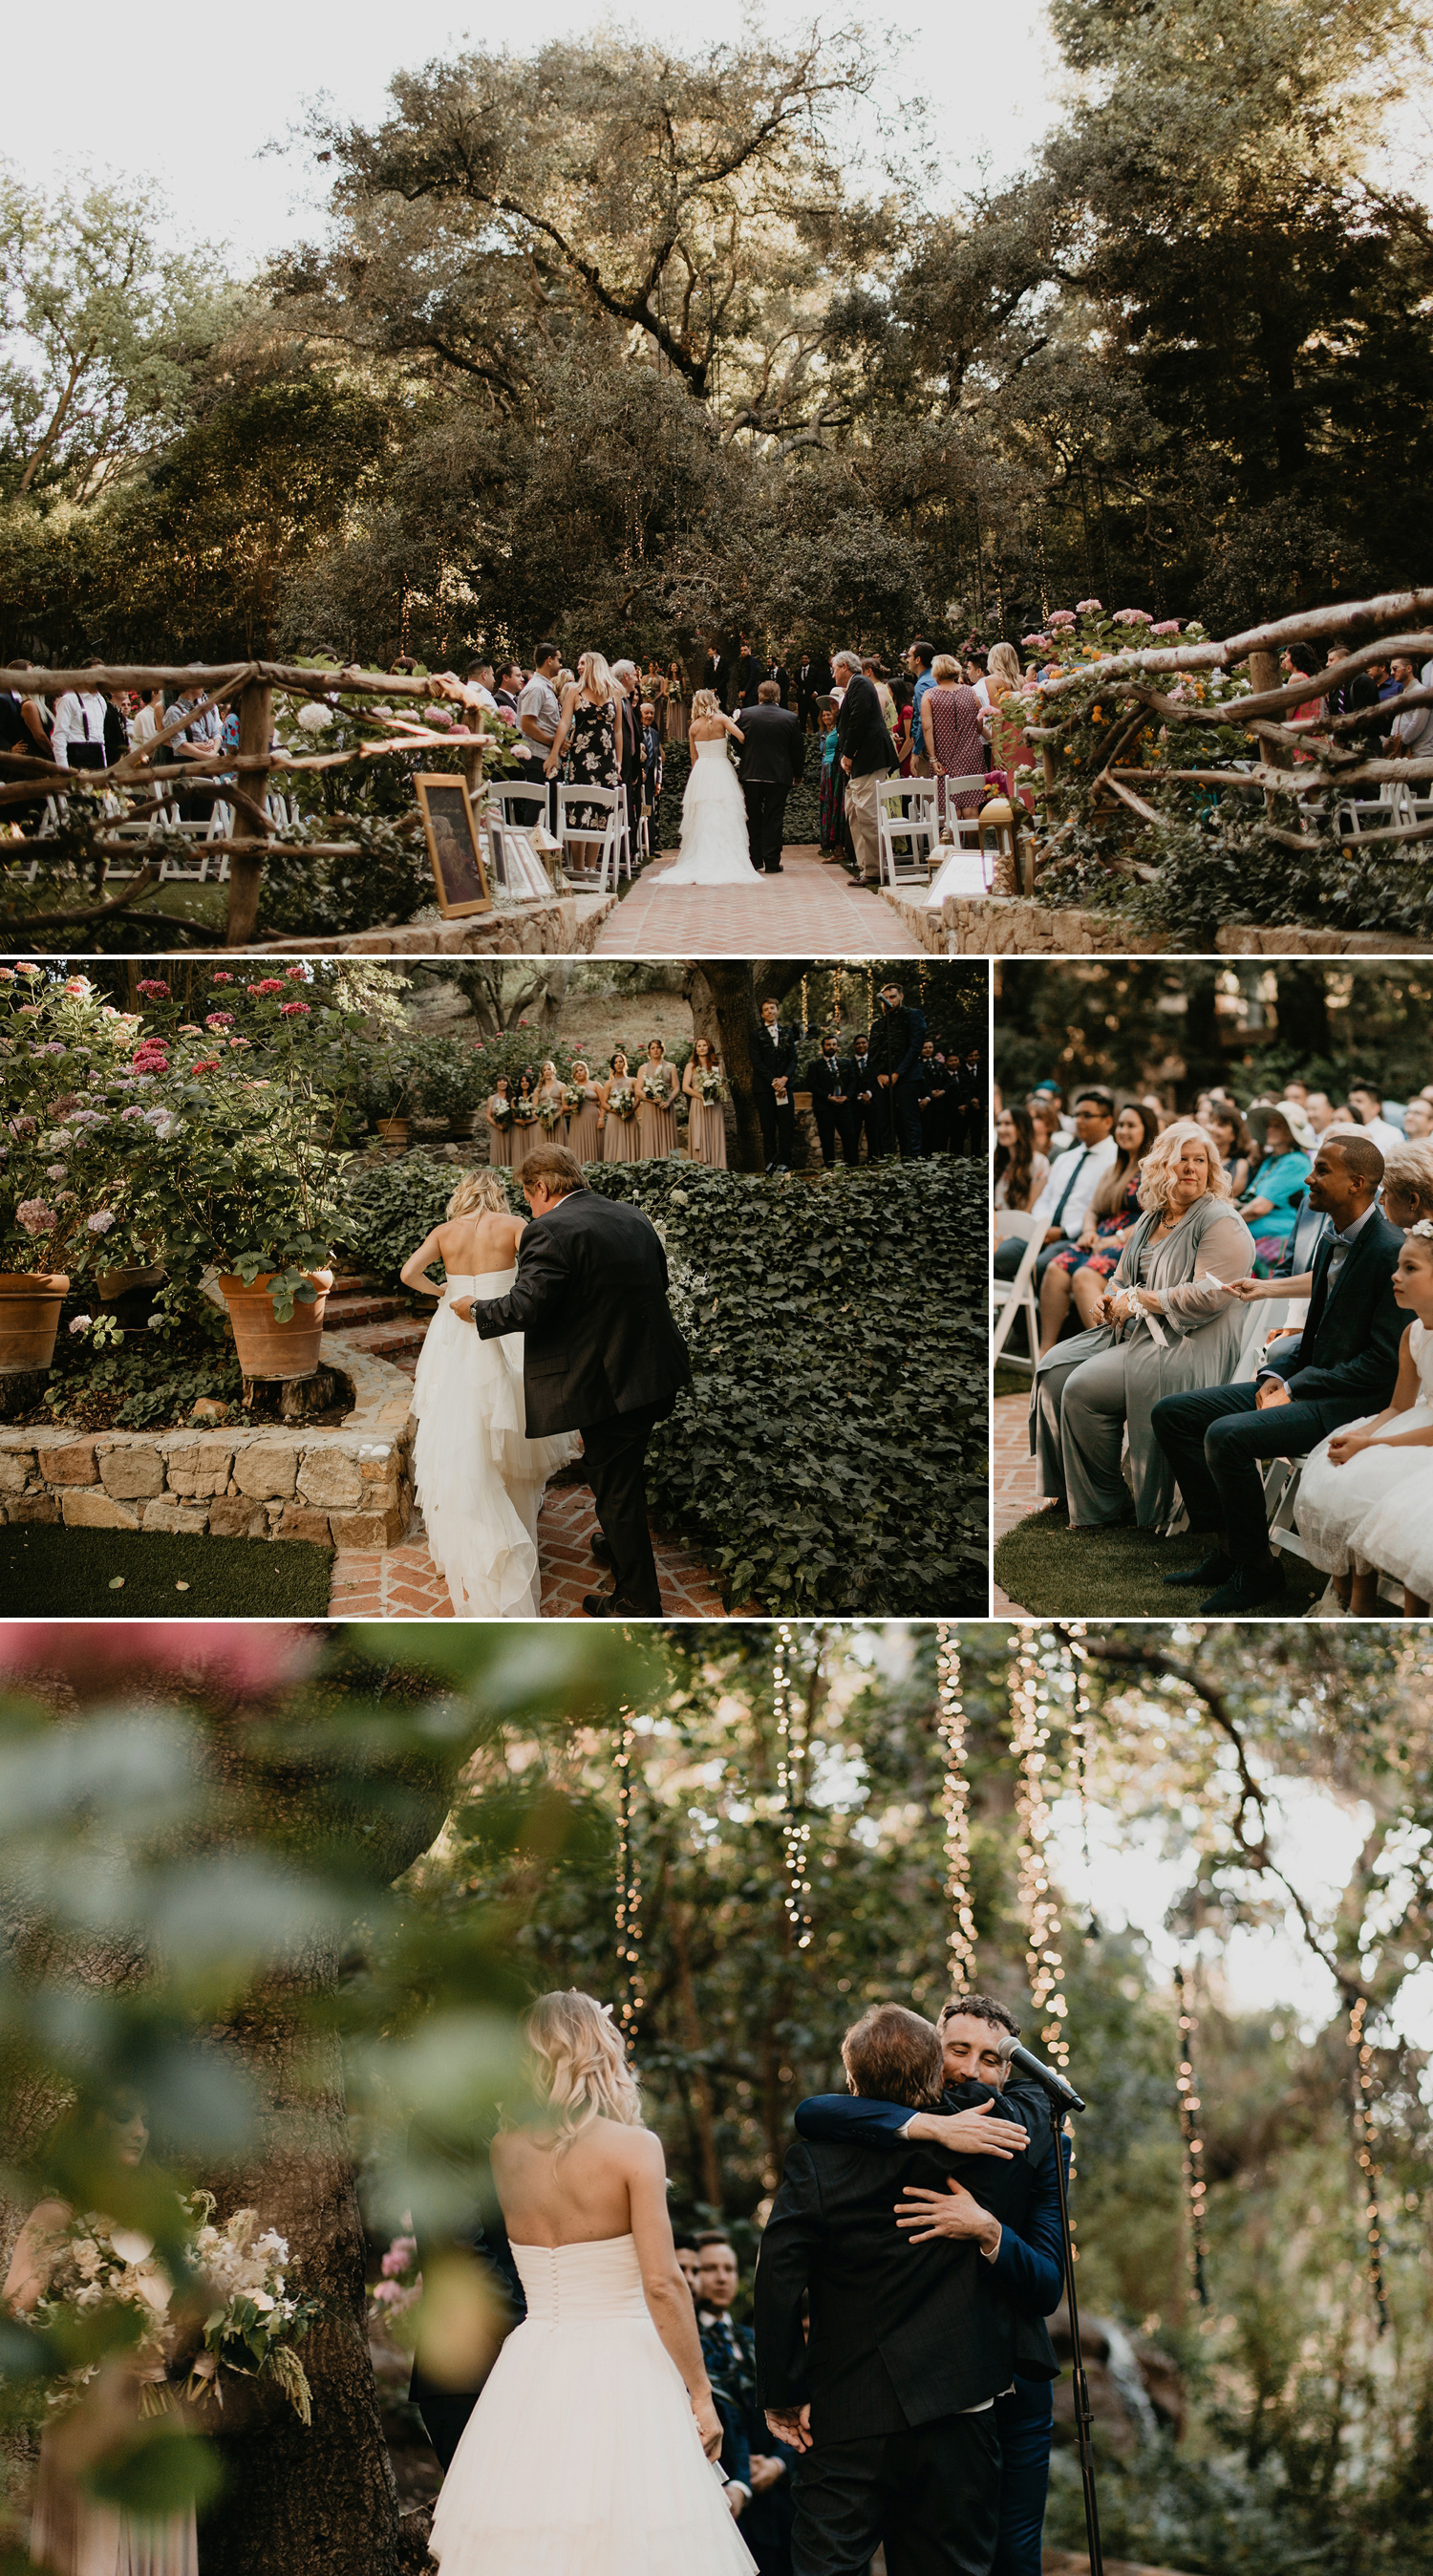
(35, 1216)
(100, 1222)
(1133, 617)
(1170, 626)
(296, 974)
(398, 2257)
(209, 1065)
(226, 1659)
(1083, 606)
(154, 989)
(295, 1011)
(77, 986)
(221, 979)
(219, 1020)
(270, 984)
(1062, 617)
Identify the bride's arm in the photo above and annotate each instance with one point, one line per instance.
(669, 2301)
(417, 1262)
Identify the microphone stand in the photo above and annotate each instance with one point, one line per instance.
(1083, 2441)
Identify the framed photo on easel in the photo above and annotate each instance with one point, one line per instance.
(454, 849)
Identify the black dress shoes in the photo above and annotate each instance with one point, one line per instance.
(611, 1605)
(1210, 1569)
(600, 1548)
(1248, 1587)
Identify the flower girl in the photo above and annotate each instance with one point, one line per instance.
(1365, 1504)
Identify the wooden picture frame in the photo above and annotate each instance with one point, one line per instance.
(455, 851)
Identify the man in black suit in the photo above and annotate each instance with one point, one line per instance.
(1343, 1363)
(864, 1099)
(716, 674)
(629, 681)
(601, 1355)
(772, 762)
(810, 680)
(891, 2401)
(773, 1059)
(750, 672)
(896, 1042)
(867, 755)
(830, 1085)
(934, 1090)
(776, 670)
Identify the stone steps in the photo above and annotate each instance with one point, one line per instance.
(375, 1319)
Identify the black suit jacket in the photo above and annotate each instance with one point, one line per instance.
(716, 675)
(901, 2334)
(861, 734)
(750, 672)
(831, 1075)
(591, 1298)
(896, 1041)
(1346, 1357)
(773, 1054)
(863, 1078)
(778, 672)
(773, 751)
(812, 679)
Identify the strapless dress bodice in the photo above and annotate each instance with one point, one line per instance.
(569, 2285)
(718, 746)
(478, 1283)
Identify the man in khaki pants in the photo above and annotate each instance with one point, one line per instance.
(867, 755)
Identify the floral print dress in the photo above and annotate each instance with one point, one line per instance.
(591, 761)
(1103, 1256)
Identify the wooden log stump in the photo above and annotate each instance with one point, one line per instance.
(251, 820)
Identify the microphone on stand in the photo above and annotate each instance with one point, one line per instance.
(1037, 2072)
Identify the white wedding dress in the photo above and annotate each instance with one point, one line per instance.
(1376, 1514)
(963, 872)
(582, 2456)
(479, 1478)
(715, 849)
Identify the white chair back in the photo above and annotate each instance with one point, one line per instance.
(1017, 1296)
(580, 835)
(907, 839)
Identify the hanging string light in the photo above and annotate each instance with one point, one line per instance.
(955, 1801)
(1187, 2094)
(1030, 1739)
(1081, 1725)
(795, 1835)
(1362, 2107)
(629, 1892)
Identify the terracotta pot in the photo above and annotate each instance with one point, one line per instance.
(30, 1302)
(266, 1347)
(394, 1131)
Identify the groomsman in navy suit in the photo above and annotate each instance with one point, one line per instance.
(773, 1058)
(829, 1081)
(729, 2351)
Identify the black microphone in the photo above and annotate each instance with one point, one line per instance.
(1039, 2073)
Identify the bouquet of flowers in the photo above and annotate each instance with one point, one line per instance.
(709, 1085)
(502, 1110)
(572, 1095)
(250, 2323)
(550, 1113)
(525, 1113)
(622, 1099)
(654, 1086)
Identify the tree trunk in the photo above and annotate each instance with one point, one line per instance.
(730, 984)
(1303, 1010)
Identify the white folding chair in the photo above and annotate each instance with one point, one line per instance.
(624, 836)
(961, 829)
(918, 829)
(1012, 1297)
(582, 836)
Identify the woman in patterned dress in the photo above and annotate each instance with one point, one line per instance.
(1081, 1270)
(586, 747)
(706, 1126)
(621, 1139)
(953, 735)
(500, 1130)
(526, 1132)
(657, 1119)
(584, 1125)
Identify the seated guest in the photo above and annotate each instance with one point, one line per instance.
(1344, 1360)
(1050, 1138)
(1167, 1322)
(1067, 1193)
(1049, 1098)
(1233, 1142)
(1021, 1169)
(1418, 1119)
(762, 2501)
(1407, 1193)
(1079, 1270)
(1286, 1143)
(1365, 1104)
(1365, 1500)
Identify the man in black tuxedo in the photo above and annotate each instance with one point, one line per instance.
(716, 674)
(810, 681)
(750, 672)
(1343, 1363)
(891, 2401)
(776, 670)
(773, 1059)
(772, 762)
(829, 1082)
(629, 680)
(601, 1355)
(896, 1042)
(933, 1098)
(867, 755)
(865, 1112)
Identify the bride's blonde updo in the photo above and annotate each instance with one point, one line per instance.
(480, 1190)
(706, 703)
(580, 2065)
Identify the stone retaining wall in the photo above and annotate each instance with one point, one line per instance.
(351, 1486)
(995, 925)
(1292, 941)
(566, 927)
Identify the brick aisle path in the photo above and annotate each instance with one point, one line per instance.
(813, 909)
(403, 1582)
(1014, 1482)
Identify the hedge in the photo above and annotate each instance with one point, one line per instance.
(830, 1453)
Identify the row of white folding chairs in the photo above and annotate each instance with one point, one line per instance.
(910, 840)
(1394, 807)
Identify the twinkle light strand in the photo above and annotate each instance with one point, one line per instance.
(629, 1892)
(795, 1833)
(955, 1801)
(1043, 1955)
(1187, 2095)
(1362, 2108)
(1081, 1726)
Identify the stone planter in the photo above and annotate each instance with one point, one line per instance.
(30, 1302)
(266, 1347)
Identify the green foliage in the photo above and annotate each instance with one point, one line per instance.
(146, 1379)
(388, 1208)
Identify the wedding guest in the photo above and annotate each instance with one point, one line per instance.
(1300, 661)
(678, 702)
(828, 1079)
(78, 738)
(1021, 1166)
(1344, 1358)
(526, 1130)
(1078, 1273)
(773, 1063)
(1050, 1137)
(920, 662)
(498, 1114)
(706, 1121)
(657, 1090)
(833, 785)
(1407, 1193)
(1319, 1111)
(539, 715)
(548, 1096)
(1287, 1144)
(934, 1099)
(1233, 1142)
(1166, 1323)
(968, 1128)
(620, 1140)
(953, 736)
(508, 691)
(811, 679)
(1366, 1105)
(1365, 1499)
(872, 669)
(590, 747)
(867, 755)
(1418, 1120)
(729, 2351)
(584, 1125)
(1073, 1180)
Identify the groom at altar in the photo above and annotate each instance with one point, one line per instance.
(601, 1355)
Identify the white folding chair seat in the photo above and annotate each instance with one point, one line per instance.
(1011, 1297)
(573, 835)
(918, 829)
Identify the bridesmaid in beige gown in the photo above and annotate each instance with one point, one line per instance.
(584, 1125)
(621, 1140)
(71, 2532)
(706, 1127)
(657, 1119)
(549, 1096)
(526, 1132)
(500, 1129)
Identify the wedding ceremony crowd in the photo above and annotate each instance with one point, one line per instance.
(1250, 1283)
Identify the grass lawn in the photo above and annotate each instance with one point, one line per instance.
(1056, 1572)
(54, 1573)
(1011, 1381)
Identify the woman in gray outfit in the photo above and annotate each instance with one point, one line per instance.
(1169, 1323)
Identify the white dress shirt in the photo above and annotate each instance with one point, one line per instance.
(1090, 1164)
(79, 717)
(1384, 1135)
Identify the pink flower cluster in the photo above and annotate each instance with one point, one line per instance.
(1169, 627)
(270, 984)
(154, 990)
(221, 979)
(1061, 617)
(1083, 606)
(295, 1011)
(1133, 617)
(209, 1065)
(35, 1216)
(296, 974)
(219, 1020)
(151, 1056)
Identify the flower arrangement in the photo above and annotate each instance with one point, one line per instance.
(399, 2286)
(501, 1110)
(709, 1085)
(551, 1111)
(622, 1100)
(525, 1112)
(572, 1095)
(654, 1084)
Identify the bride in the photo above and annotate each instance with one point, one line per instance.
(587, 2453)
(714, 849)
(479, 1478)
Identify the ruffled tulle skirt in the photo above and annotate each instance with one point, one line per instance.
(479, 1478)
(714, 847)
(1374, 1515)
